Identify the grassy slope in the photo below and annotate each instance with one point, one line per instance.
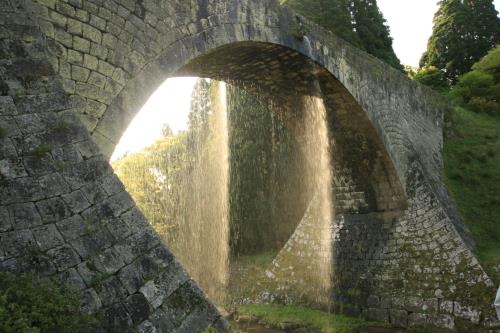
(472, 168)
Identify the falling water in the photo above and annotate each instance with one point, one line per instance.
(302, 271)
(191, 211)
(317, 147)
(206, 242)
(180, 182)
(317, 143)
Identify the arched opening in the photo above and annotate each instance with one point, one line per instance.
(311, 109)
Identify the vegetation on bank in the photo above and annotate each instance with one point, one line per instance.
(479, 89)
(462, 61)
(472, 169)
(31, 305)
(472, 150)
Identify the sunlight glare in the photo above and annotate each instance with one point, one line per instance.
(170, 104)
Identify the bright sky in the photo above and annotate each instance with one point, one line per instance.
(411, 26)
(170, 104)
(410, 22)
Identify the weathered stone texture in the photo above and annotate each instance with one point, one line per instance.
(76, 72)
(61, 206)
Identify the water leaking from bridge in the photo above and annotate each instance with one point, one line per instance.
(302, 271)
(190, 176)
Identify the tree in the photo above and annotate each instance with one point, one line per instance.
(372, 31)
(166, 131)
(432, 77)
(359, 22)
(464, 31)
(198, 129)
(479, 89)
(332, 15)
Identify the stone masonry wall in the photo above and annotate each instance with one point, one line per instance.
(66, 215)
(73, 73)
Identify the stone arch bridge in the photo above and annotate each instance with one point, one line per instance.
(73, 73)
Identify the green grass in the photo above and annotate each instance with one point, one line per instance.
(275, 315)
(472, 169)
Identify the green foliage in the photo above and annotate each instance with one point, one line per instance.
(41, 151)
(374, 34)
(275, 315)
(155, 178)
(332, 15)
(410, 71)
(359, 22)
(30, 305)
(472, 168)
(432, 77)
(464, 31)
(479, 89)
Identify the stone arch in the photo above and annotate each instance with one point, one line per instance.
(59, 196)
(280, 76)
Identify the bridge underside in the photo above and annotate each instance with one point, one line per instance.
(72, 76)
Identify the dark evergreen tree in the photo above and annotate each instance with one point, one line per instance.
(464, 31)
(359, 22)
(332, 15)
(372, 31)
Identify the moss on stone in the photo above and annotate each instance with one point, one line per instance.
(41, 151)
